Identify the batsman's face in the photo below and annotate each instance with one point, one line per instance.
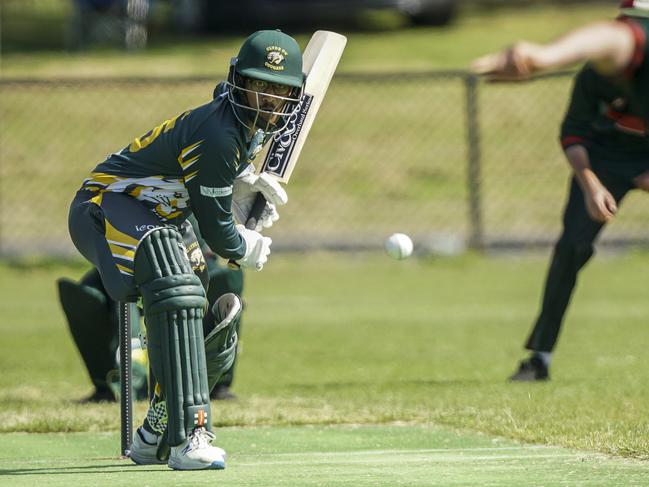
(261, 105)
(267, 97)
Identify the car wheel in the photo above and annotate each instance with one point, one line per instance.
(430, 12)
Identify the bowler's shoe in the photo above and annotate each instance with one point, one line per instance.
(531, 370)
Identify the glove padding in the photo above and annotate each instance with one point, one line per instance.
(244, 192)
(257, 248)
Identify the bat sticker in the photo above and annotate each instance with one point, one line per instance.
(283, 143)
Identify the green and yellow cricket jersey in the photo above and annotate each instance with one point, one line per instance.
(610, 116)
(185, 165)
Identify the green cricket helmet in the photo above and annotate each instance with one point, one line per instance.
(273, 56)
(266, 81)
(635, 8)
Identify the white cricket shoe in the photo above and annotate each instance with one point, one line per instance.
(143, 452)
(196, 453)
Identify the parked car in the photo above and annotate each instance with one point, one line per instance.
(214, 14)
(435, 12)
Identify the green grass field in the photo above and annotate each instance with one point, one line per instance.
(355, 370)
(409, 359)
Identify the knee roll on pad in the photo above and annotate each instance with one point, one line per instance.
(221, 341)
(174, 302)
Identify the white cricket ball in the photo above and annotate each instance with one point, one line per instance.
(398, 246)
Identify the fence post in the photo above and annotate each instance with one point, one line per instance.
(476, 236)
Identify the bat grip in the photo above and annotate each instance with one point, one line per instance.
(255, 213)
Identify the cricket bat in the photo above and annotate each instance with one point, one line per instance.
(319, 62)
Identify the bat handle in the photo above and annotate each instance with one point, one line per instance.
(255, 213)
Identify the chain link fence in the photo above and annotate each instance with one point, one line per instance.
(451, 161)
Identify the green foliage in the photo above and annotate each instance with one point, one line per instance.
(333, 339)
(34, 24)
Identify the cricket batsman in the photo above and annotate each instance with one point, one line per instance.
(127, 218)
(605, 137)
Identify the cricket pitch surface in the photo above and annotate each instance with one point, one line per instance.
(384, 455)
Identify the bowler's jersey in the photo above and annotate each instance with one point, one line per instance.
(611, 114)
(638, 71)
(185, 165)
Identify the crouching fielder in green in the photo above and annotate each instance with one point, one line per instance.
(126, 220)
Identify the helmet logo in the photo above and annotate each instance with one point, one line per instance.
(275, 57)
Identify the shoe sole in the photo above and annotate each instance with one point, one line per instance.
(216, 465)
(528, 379)
(146, 461)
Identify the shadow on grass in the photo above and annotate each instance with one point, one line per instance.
(392, 384)
(85, 469)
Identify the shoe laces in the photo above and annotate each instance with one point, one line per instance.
(200, 438)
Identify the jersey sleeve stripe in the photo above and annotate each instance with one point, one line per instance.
(571, 140)
(640, 40)
(189, 149)
(190, 176)
(189, 162)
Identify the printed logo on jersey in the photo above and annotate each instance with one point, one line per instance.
(275, 57)
(145, 228)
(216, 192)
(167, 197)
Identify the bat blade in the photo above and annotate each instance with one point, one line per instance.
(319, 62)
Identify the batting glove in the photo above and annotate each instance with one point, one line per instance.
(257, 248)
(244, 192)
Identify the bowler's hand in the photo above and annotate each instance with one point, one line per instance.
(600, 204)
(512, 64)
